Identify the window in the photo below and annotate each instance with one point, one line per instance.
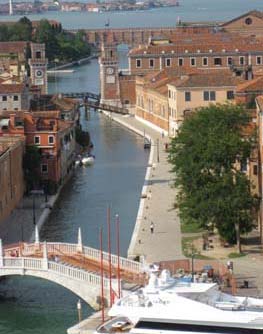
(15, 98)
(192, 61)
(259, 60)
(241, 60)
(138, 63)
(44, 168)
(255, 169)
(243, 166)
(229, 61)
(151, 62)
(248, 20)
(38, 54)
(230, 94)
(4, 98)
(212, 95)
(51, 139)
(205, 61)
(168, 62)
(209, 95)
(180, 61)
(217, 61)
(169, 93)
(37, 140)
(187, 96)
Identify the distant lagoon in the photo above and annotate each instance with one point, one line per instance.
(189, 10)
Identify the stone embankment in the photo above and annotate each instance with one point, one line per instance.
(157, 200)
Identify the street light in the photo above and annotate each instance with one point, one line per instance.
(35, 192)
(192, 257)
(158, 153)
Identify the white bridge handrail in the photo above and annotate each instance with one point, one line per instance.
(89, 252)
(38, 264)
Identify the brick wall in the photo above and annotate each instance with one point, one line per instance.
(127, 90)
(11, 175)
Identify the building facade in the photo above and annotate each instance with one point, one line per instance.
(11, 174)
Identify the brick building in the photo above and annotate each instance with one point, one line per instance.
(11, 174)
(217, 50)
(14, 97)
(194, 90)
(54, 137)
(14, 57)
(248, 24)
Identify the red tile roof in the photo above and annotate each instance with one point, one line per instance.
(208, 79)
(11, 88)
(208, 43)
(251, 85)
(13, 47)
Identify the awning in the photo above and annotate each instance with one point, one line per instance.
(4, 122)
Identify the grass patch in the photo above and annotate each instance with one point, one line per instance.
(191, 228)
(188, 249)
(236, 255)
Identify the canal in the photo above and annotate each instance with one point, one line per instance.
(34, 306)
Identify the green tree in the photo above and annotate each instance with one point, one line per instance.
(82, 138)
(45, 34)
(31, 165)
(205, 157)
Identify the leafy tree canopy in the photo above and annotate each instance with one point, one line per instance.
(205, 158)
(31, 165)
(60, 45)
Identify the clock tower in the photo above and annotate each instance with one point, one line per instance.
(38, 67)
(109, 74)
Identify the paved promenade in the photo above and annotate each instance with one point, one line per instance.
(157, 206)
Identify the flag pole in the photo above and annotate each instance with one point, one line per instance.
(118, 254)
(101, 277)
(109, 251)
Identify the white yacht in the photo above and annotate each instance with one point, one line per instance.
(167, 305)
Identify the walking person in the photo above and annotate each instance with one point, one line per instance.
(152, 227)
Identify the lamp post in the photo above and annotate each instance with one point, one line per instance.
(192, 258)
(158, 152)
(35, 192)
(34, 210)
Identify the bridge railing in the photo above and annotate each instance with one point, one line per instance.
(39, 264)
(89, 252)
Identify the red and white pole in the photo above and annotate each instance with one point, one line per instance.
(101, 277)
(109, 251)
(118, 254)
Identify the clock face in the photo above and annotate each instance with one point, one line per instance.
(39, 73)
(110, 70)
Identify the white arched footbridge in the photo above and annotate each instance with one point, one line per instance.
(73, 266)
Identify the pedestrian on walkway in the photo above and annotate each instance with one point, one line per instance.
(152, 227)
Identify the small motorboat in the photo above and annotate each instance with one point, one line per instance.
(88, 159)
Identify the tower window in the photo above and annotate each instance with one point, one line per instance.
(38, 54)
